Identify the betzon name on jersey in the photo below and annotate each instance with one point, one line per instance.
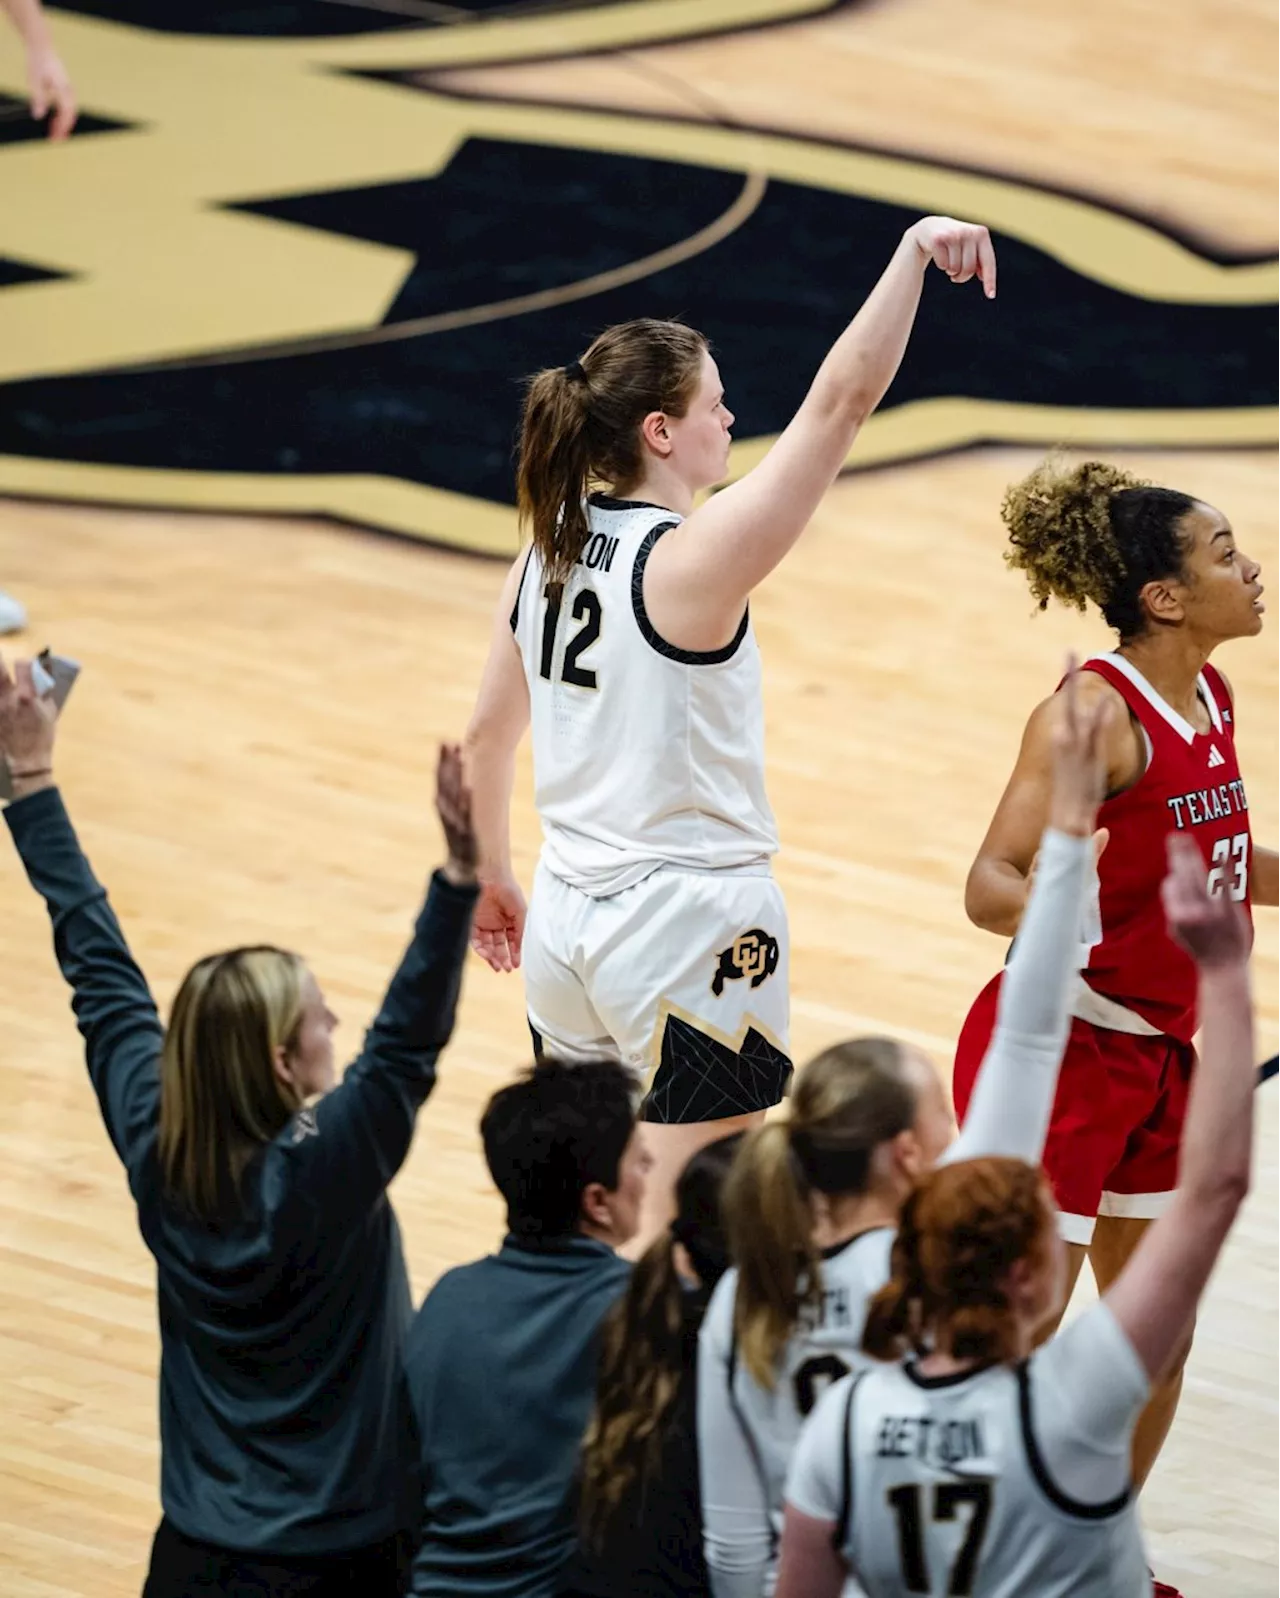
(940, 1443)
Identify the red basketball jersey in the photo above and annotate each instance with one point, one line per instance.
(1191, 783)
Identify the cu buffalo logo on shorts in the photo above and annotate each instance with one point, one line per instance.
(752, 954)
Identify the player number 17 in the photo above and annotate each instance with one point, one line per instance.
(1230, 855)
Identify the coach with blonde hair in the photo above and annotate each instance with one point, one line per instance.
(261, 1192)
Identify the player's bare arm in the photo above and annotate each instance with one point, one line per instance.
(497, 725)
(703, 571)
(998, 882)
(47, 80)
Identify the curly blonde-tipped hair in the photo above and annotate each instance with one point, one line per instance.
(1092, 533)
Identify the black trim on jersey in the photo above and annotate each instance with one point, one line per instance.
(537, 1041)
(836, 1249)
(1045, 1482)
(952, 1379)
(515, 609)
(650, 634)
(608, 502)
(753, 1448)
(843, 1532)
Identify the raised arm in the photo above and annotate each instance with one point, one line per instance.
(1155, 1295)
(701, 573)
(47, 78)
(497, 725)
(1018, 1079)
(113, 1006)
(360, 1133)
(995, 893)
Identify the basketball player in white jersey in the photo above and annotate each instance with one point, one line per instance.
(973, 1465)
(812, 1201)
(656, 931)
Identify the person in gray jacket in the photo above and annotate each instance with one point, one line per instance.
(502, 1357)
(286, 1449)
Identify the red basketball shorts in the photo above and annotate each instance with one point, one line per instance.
(1113, 1138)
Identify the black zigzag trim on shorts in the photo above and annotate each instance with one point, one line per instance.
(700, 1079)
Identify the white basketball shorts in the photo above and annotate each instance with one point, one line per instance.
(683, 977)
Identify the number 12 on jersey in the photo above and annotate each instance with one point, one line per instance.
(585, 609)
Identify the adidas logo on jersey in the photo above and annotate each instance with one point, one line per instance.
(1215, 757)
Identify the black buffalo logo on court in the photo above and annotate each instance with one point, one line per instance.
(752, 954)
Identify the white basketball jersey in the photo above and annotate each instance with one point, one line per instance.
(644, 755)
(948, 1485)
(825, 1347)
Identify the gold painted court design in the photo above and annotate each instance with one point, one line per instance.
(277, 273)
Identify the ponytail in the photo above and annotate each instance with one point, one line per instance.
(641, 1367)
(770, 1223)
(846, 1102)
(648, 1342)
(555, 469)
(892, 1325)
(961, 1231)
(581, 425)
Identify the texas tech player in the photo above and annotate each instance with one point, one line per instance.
(1166, 573)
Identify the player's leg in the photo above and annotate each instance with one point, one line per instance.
(1156, 1073)
(670, 1146)
(1114, 1241)
(691, 979)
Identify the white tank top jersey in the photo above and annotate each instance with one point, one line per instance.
(824, 1347)
(644, 755)
(1001, 1483)
(747, 1433)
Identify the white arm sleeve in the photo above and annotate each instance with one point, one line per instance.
(1088, 1388)
(814, 1481)
(737, 1531)
(1018, 1079)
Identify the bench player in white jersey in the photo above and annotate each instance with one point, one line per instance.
(656, 931)
(812, 1201)
(973, 1465)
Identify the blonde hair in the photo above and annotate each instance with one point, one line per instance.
(220, 1096)
(846, 1102)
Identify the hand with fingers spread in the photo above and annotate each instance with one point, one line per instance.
(1212, 928)
(962, 250)
(27, 726)
(453, 806)
(497, 930)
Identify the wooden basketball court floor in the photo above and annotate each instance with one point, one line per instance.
(249, 756)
